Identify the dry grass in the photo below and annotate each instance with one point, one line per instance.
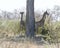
(11, 28)
(11, 44)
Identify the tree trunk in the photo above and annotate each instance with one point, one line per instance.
(30, 19)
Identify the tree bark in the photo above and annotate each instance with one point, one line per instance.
(30, 19)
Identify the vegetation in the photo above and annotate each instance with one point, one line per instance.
(13, 27)
(10, 26)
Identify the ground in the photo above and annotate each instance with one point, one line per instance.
(23, 44)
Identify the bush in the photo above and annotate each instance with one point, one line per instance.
(10, 26)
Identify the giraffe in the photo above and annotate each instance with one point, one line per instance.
(22, 24)
(41, 22)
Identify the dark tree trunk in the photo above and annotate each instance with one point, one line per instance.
(30, 19)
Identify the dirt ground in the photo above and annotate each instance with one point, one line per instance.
(26, 44)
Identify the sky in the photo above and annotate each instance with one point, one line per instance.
(10, 5)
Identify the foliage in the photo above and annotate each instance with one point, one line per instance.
(9, 26)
